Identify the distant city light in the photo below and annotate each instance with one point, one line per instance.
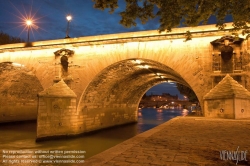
(159, 110)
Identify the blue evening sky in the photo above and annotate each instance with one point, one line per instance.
(50, 23)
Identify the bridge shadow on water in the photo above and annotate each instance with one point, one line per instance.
(22, 135)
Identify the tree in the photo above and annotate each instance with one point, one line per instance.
(7, 39)
(191, 13)
(144, 96)
(186, 91)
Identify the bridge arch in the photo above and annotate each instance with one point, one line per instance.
(39, 62)
(113, 96)
(18, 92)
(191, 61)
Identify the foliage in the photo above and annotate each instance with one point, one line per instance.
(144, 96)
(173, 13)
(187, 92)
(7, 39)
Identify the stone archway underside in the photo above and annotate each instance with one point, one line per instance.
(18, 92)
(113, 96)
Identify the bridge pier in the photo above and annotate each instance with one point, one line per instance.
(99, 118)
(57, 114)
(228, 99)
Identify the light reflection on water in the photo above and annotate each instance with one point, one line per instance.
(151, 117)
(21, 136)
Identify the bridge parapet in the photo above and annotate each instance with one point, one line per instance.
(142, 36)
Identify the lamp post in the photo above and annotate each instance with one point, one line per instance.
(28, 23)
(69, 18)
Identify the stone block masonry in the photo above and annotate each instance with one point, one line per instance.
(228, 99)
(57, 114)
(182, 141)
(18, 93)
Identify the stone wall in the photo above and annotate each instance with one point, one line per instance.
(18, 93)
(98, 118)
(56, 117)
(242, 108)
(57, 113)
(221, 108)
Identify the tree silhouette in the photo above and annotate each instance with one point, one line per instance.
(7, 39)
(172, 13)
(187, 92)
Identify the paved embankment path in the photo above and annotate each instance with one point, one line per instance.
(179, 142)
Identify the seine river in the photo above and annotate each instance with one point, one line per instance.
(21, 136)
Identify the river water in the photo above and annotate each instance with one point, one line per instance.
(21, 136)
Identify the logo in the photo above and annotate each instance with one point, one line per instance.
(234, 155)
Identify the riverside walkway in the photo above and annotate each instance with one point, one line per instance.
(182, 141)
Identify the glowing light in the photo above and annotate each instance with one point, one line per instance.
(171, 82)
(17, 64)
(27, 19)
(69, 17)
(159, 110)
(184, 112)
(29, 22)
(137, 61)
(143, 66)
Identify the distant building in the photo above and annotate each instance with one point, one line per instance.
(164, 100)
(163, 97)
(167, 95)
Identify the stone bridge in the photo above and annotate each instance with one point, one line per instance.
(110, 73)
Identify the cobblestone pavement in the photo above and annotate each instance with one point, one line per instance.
(182, 141)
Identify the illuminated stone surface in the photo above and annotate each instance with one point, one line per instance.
(110, 73)
(181, 141)
(228, 99)
(59, 89)
(18, 93)
(56, 111)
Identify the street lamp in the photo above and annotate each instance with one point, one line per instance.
(28, 23)
(69, 18)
